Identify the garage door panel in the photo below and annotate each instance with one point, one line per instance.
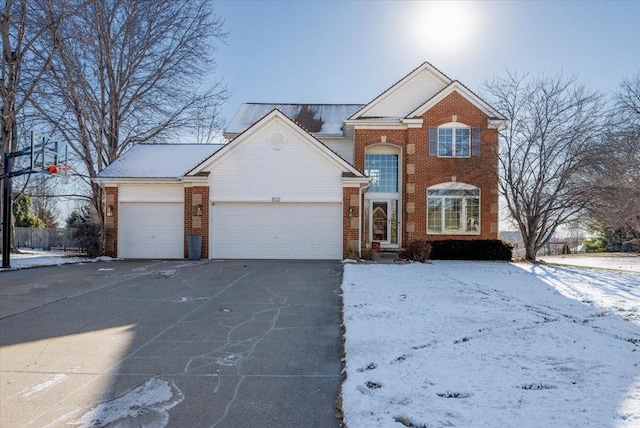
(276, 231)
(151, 230)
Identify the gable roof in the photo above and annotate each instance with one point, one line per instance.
(424, 71)
(320, 119)
(276, 114)
(157, 161)
(465, 92)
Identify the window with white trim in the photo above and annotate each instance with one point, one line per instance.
(454, 141)
(453, 210)
(383, 171)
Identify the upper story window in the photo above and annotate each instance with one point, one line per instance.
(383, 171)
(454, 140)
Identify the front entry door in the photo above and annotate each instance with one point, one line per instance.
(380, 222)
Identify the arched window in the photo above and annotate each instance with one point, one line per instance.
(453, 208)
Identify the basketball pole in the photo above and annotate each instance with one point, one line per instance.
(6, 214)
(6, 177)
(7, 197)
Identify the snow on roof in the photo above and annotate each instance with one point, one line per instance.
(159, 160)
(315, 118)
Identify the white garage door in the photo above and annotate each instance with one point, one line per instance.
(151, 230)
(276, 230)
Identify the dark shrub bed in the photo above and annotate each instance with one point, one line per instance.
(418, 251)
(422, 250)
(89, 237)
(482, 249)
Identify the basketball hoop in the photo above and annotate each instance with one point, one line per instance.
(62, 169)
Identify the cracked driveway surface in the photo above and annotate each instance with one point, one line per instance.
(171, 343)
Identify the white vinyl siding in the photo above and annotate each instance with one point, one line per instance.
(151, 193)
(341, 146)
(255, 172)
(276, 194)
(408, 97)
(276, 231)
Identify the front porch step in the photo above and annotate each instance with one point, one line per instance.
(390, 253)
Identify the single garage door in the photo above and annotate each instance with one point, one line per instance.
(276, 230)
(151, 230)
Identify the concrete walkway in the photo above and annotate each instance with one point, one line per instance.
(171, 343)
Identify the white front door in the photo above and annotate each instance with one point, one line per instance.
(380, 222)
(383, 221)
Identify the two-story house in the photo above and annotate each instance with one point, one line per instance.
(313, 180)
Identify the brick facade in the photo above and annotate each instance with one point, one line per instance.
(196, 217)
(420, 171)
(350, 219)
(111, 222)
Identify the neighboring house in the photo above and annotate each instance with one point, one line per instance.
(312, 181)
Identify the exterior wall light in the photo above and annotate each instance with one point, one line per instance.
(109, 210)
(199, 209)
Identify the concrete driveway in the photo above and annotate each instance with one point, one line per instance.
(171, 343)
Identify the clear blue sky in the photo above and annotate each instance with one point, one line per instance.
(351, 51)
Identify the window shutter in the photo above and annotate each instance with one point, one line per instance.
(475, 141)
(433, 141)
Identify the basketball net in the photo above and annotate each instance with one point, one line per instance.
(61, 171)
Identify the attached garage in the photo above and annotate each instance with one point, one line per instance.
(273, 192)
(276, 230)
(151, 222)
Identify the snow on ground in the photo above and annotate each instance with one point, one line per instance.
(487, 344)
(617, 261)
(34, 258)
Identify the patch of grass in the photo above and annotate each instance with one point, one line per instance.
(351, 254)
(537, 386)
(453, 394)
(406, 422)
(373, 385)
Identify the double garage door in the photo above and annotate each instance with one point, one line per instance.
(276, 231)
(237, 230)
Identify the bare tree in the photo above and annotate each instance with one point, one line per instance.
(615, 202)
(26, 55)
(207, 123)
(627, 102)
(130, 71)
(552, 135)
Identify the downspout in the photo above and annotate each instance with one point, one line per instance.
(360, 195)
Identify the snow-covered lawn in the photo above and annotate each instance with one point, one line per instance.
(617, 261)
(34, 258)
(487, 344)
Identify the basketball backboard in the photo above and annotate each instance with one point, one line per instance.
(46, 152)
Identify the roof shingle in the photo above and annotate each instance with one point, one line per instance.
(322, 119)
